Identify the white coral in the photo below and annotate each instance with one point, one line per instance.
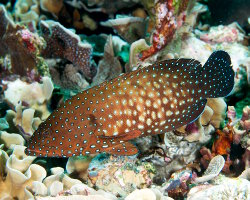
(35, 94)
(228, 189)
(20, 174)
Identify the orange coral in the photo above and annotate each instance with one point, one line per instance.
(222, 144)
(165, 28)
(169, 17)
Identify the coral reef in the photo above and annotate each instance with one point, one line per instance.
(20, 174)
(63, 43)
(52, 49)
(213, 169)
(22, 46)
(119, 175)
(24, 120)
(227, 188)
(129, 28)
(109, 66)
(235, 132)
(34, 95)
(27, 12)
(147, 194)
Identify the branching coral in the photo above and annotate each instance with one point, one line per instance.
(22, 46)
(169, 15)
(63, 43)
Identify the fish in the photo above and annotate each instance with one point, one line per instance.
(148, 101)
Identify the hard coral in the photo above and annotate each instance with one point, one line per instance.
(11, 139)
(219, 34)
(176, 153)
(129, 28)
(167, 20)
(51, 6)
(109, 67)
(21, 174)
(68, 77)
(27, 12)
(24, 120)
(118, 175)
(63, 43)
(78, 165)
(178, 184)
(213, 169)
(34, 95)
(227, 188)
(22, 46)
(232, 142)
(222, 144)
(147, 194)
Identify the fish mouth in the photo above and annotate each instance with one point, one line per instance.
(33, 152)
(30, 152)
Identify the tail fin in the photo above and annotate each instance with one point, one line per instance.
(218, 75)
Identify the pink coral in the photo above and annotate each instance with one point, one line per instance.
(164, 29)
(245, 120)
(27, 39)
(168, 19)
(219, 34)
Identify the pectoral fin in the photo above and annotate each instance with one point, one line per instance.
(125, 149)
(124, 136)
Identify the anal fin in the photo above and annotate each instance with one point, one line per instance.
(124, 149)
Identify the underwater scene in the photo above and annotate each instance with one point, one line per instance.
(124, 99)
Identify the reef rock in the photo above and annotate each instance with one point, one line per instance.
(119, 175)
(228, 189)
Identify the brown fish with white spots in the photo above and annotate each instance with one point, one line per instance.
(153, 100)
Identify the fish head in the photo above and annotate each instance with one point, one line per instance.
(42, 142)
(52, 139)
